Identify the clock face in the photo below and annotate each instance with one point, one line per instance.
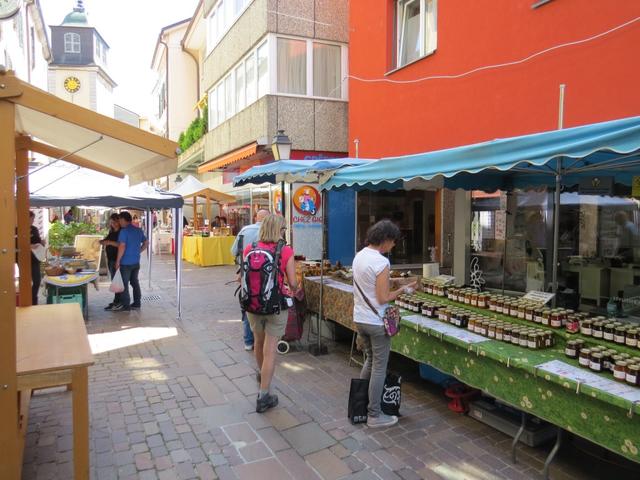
(8, 8)
(71, 84)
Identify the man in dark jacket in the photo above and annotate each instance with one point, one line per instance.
(110, 242)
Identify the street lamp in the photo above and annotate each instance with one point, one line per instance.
(281, 146)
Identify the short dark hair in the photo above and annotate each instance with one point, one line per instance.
(31, 214)
(114, 216)
(126, 215)
(382, 231)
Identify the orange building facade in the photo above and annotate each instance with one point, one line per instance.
(388, 119)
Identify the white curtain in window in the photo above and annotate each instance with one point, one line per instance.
(431, 20)
(292, 66)
(263, 70)
(220, 95)
(229, 96)
(240, 91)
(327, 81)
(250, 78)
(409, 30)
(213, 109)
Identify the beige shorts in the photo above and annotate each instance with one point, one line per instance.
(273, 325)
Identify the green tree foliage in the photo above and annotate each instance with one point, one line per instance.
(61, 234)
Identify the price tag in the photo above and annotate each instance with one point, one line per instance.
(538, 297)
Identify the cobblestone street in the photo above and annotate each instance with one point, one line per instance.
(176, 400)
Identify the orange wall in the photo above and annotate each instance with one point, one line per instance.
(602, 76)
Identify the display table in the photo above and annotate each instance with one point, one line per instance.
(208, 251)
(53, 350)
(337, 299)
(67, 288)
(520, 377)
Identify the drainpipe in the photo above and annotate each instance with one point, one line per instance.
(166, 82)
(195, 60)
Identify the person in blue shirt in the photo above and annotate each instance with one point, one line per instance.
(247, 236)
(131, 243)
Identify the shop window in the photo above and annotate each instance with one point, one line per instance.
(327, 79)
(414, 214)
(416, 30)
(71, 43)
(292, 66)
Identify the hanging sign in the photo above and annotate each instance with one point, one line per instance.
(306, 220)
(596, 186)
(538, 297)
(635, 187)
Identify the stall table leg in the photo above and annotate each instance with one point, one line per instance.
(80, 400)
(516, 439)
(552, 454)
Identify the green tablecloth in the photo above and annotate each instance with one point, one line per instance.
(509, 373)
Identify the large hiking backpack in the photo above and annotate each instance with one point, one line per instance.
(259, 283)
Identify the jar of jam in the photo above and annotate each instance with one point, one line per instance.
(571, 349)
(595, 363)
(620, 370)
(464, 320)
(608, 331)
(573, 324)
(500, 332)
(483, 300)
(631, 338)
(556, 318)
(473, 299)
(471, 325)
(506, 333)
(532, 341)
(521, 309)
(632, 376)
(491, 330)
(513, 309)
(597, 329)
(619, 334)
(484, 328)
(585, 327)
(499, 304)
(546, 316)
(584, 357)
(515, 336)
(524, 338)
(528, 312)
(492, 303)
(607, 359)
(537, 314)
(429, 288)
(549, 340)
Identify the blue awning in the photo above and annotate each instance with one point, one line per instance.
(294, 170)
(607, 148)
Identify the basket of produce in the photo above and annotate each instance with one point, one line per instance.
(54, 270)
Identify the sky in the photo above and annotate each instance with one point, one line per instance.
(131, 29)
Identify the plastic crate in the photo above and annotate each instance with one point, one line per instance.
(70, 298)
(431, 374)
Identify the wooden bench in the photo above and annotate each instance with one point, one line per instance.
(53, 350)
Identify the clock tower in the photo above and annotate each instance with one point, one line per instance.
(78, 72)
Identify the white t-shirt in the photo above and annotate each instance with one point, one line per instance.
(367, 265)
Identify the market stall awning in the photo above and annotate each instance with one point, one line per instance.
(295, 170)
(192, 187)
(229, 158)
(140, 196)
(607, 148)
(98, 142)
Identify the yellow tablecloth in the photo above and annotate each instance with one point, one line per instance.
(208, 251)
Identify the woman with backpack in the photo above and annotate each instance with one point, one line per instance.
(267, 268)
(371, 278)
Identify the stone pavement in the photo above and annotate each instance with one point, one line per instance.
(176, 400)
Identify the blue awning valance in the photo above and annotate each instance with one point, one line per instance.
(608, 148)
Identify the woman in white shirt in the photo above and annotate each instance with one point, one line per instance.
(371, 274)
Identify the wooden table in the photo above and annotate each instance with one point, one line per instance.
(53, 350)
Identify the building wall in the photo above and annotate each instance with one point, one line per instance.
(86, 96)
(601, 81)
(22, 38)
(85, 57)
(183, 85)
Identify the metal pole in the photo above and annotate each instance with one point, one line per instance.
(178, 254)
(320, 349)
(284, 203)
(556, 205)
(150, 246)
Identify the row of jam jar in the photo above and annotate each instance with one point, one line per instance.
(468, 296)
(623, 366)
(533, 338)
(434, 288)
(612, 331)
(414, 303)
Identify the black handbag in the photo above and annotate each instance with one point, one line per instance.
(358, 401)
(391, 395)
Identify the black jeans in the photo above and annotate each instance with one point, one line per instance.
(130, 275)
(36, 278)
(112, 271)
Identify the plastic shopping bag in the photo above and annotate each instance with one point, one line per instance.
(117, 285)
